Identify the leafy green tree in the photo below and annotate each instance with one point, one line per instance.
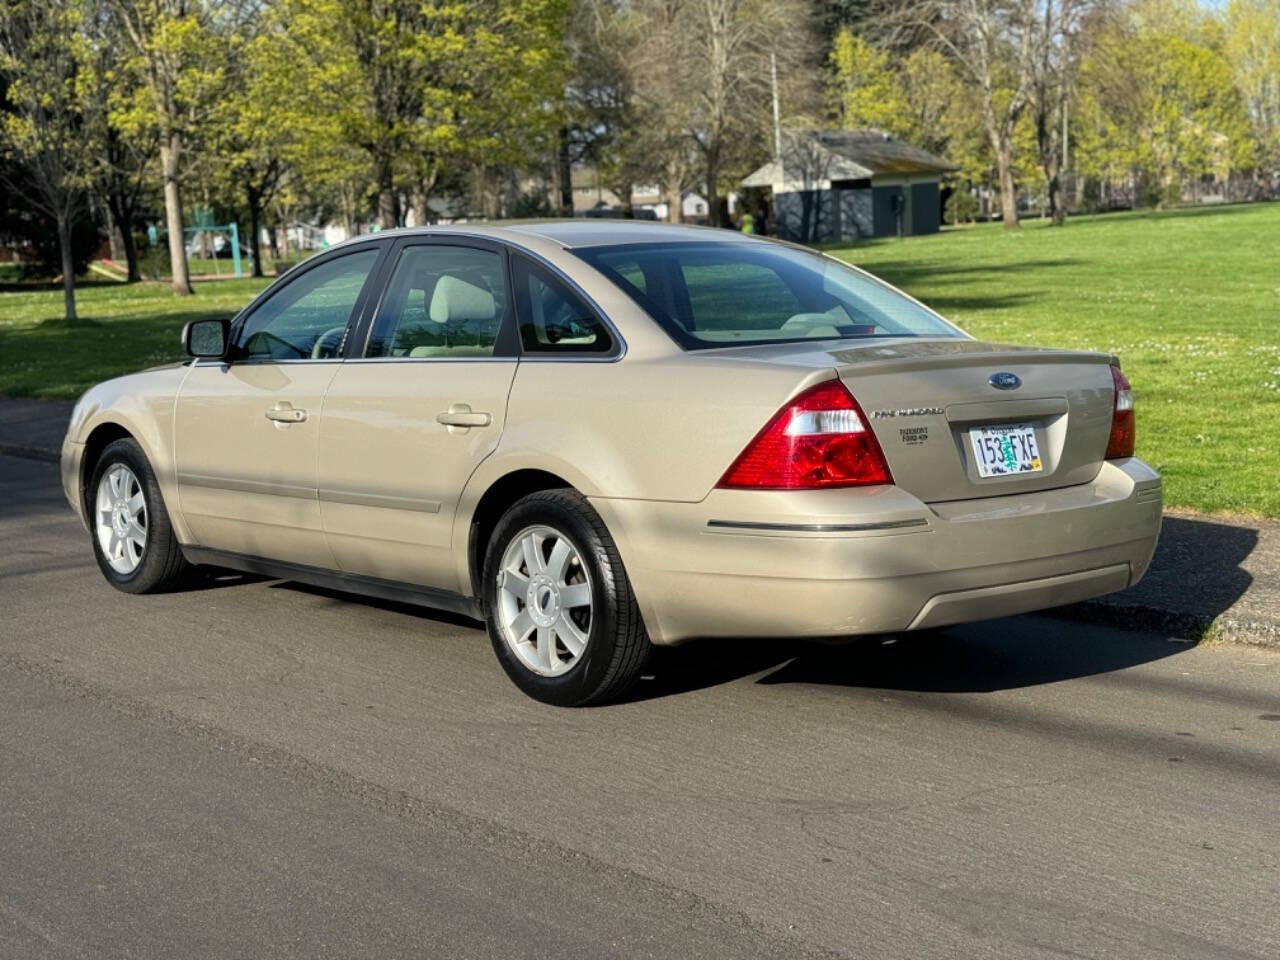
(40, 43)
(1252, 47)
(176, 47)
(416, 86)
(1159, 102)
(864, 88)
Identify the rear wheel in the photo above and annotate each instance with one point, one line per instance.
(133, 540)
(562, 619)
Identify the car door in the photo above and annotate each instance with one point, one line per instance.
(407, 423)
(247, 428)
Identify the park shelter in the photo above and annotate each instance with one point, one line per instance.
(843, 185)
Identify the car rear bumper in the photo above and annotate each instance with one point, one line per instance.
(875, 560)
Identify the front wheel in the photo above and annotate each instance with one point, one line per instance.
(561, 615)
(133, 540)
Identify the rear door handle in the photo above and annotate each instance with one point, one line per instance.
(285, 412)
(461, 415)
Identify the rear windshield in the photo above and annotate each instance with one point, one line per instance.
(717, 294)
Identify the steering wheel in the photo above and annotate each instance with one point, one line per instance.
(321, 350)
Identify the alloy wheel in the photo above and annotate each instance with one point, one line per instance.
(544, 600)
(121, 512)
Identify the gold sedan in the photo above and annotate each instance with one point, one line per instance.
(600, 436)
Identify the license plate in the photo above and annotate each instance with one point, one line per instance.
(1006, 449)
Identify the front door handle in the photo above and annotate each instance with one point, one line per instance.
(461, 415)
(285, 412)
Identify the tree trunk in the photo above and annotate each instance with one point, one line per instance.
(564, 170)
(628, 204)
(253, 199)
(68, 266)
(674, 189)
(121, 209)
(713, 190)
(115, 236)
(422, 197)
(1002, 147)
(170, 147)
(387, 200)
(130, 252)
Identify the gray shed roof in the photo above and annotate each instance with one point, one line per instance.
(844, 155)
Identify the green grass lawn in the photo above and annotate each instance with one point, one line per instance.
(122, 328)
(1190, 300)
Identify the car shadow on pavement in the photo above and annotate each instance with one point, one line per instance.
(976, 658)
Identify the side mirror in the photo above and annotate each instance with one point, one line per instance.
(206, 338)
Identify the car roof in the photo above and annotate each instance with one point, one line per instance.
(585, 232)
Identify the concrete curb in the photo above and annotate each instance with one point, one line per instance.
(30, 453)
(1191, 628)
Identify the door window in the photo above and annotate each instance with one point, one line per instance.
(444, 302)
(306, 319)
(553, 319)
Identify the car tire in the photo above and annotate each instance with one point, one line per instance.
(549, 555)
(129, 527)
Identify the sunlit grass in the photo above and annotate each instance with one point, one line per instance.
(1189, 300)
(122, 328)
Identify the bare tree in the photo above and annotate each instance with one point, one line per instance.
(44, 130)
(996, 45)
(727, 46)
(1054, 74)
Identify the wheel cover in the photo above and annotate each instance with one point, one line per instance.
(121, 512)
(544, 600)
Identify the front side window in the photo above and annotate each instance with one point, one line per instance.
(553, 319)
(718, 294)
(307, 317)
(444, 302)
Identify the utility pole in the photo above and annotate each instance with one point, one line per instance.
(777, 121)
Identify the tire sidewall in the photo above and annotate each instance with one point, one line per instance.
(577, 684)
(146, 574)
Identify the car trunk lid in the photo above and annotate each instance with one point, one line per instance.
(925, 399)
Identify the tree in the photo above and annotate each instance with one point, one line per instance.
(1159, 101)
(1054, 68)
(252, 139)
(864, 89)
(120, 129)
(728, 46)
(993, 44)
(44, 129)
(1253, 47)
(416, 85)
(176, 51)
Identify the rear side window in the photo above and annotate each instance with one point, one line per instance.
(719, 294)
(444, 302)
(554, 319)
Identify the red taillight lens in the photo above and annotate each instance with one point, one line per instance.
(819, 439)
(1122, 427)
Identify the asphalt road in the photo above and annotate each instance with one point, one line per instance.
(256, 769)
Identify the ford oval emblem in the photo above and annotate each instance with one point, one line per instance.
(1005, 380)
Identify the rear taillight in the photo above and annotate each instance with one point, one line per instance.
(819, 439)
(1121, 443)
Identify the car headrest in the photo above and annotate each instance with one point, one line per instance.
(456, 301)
